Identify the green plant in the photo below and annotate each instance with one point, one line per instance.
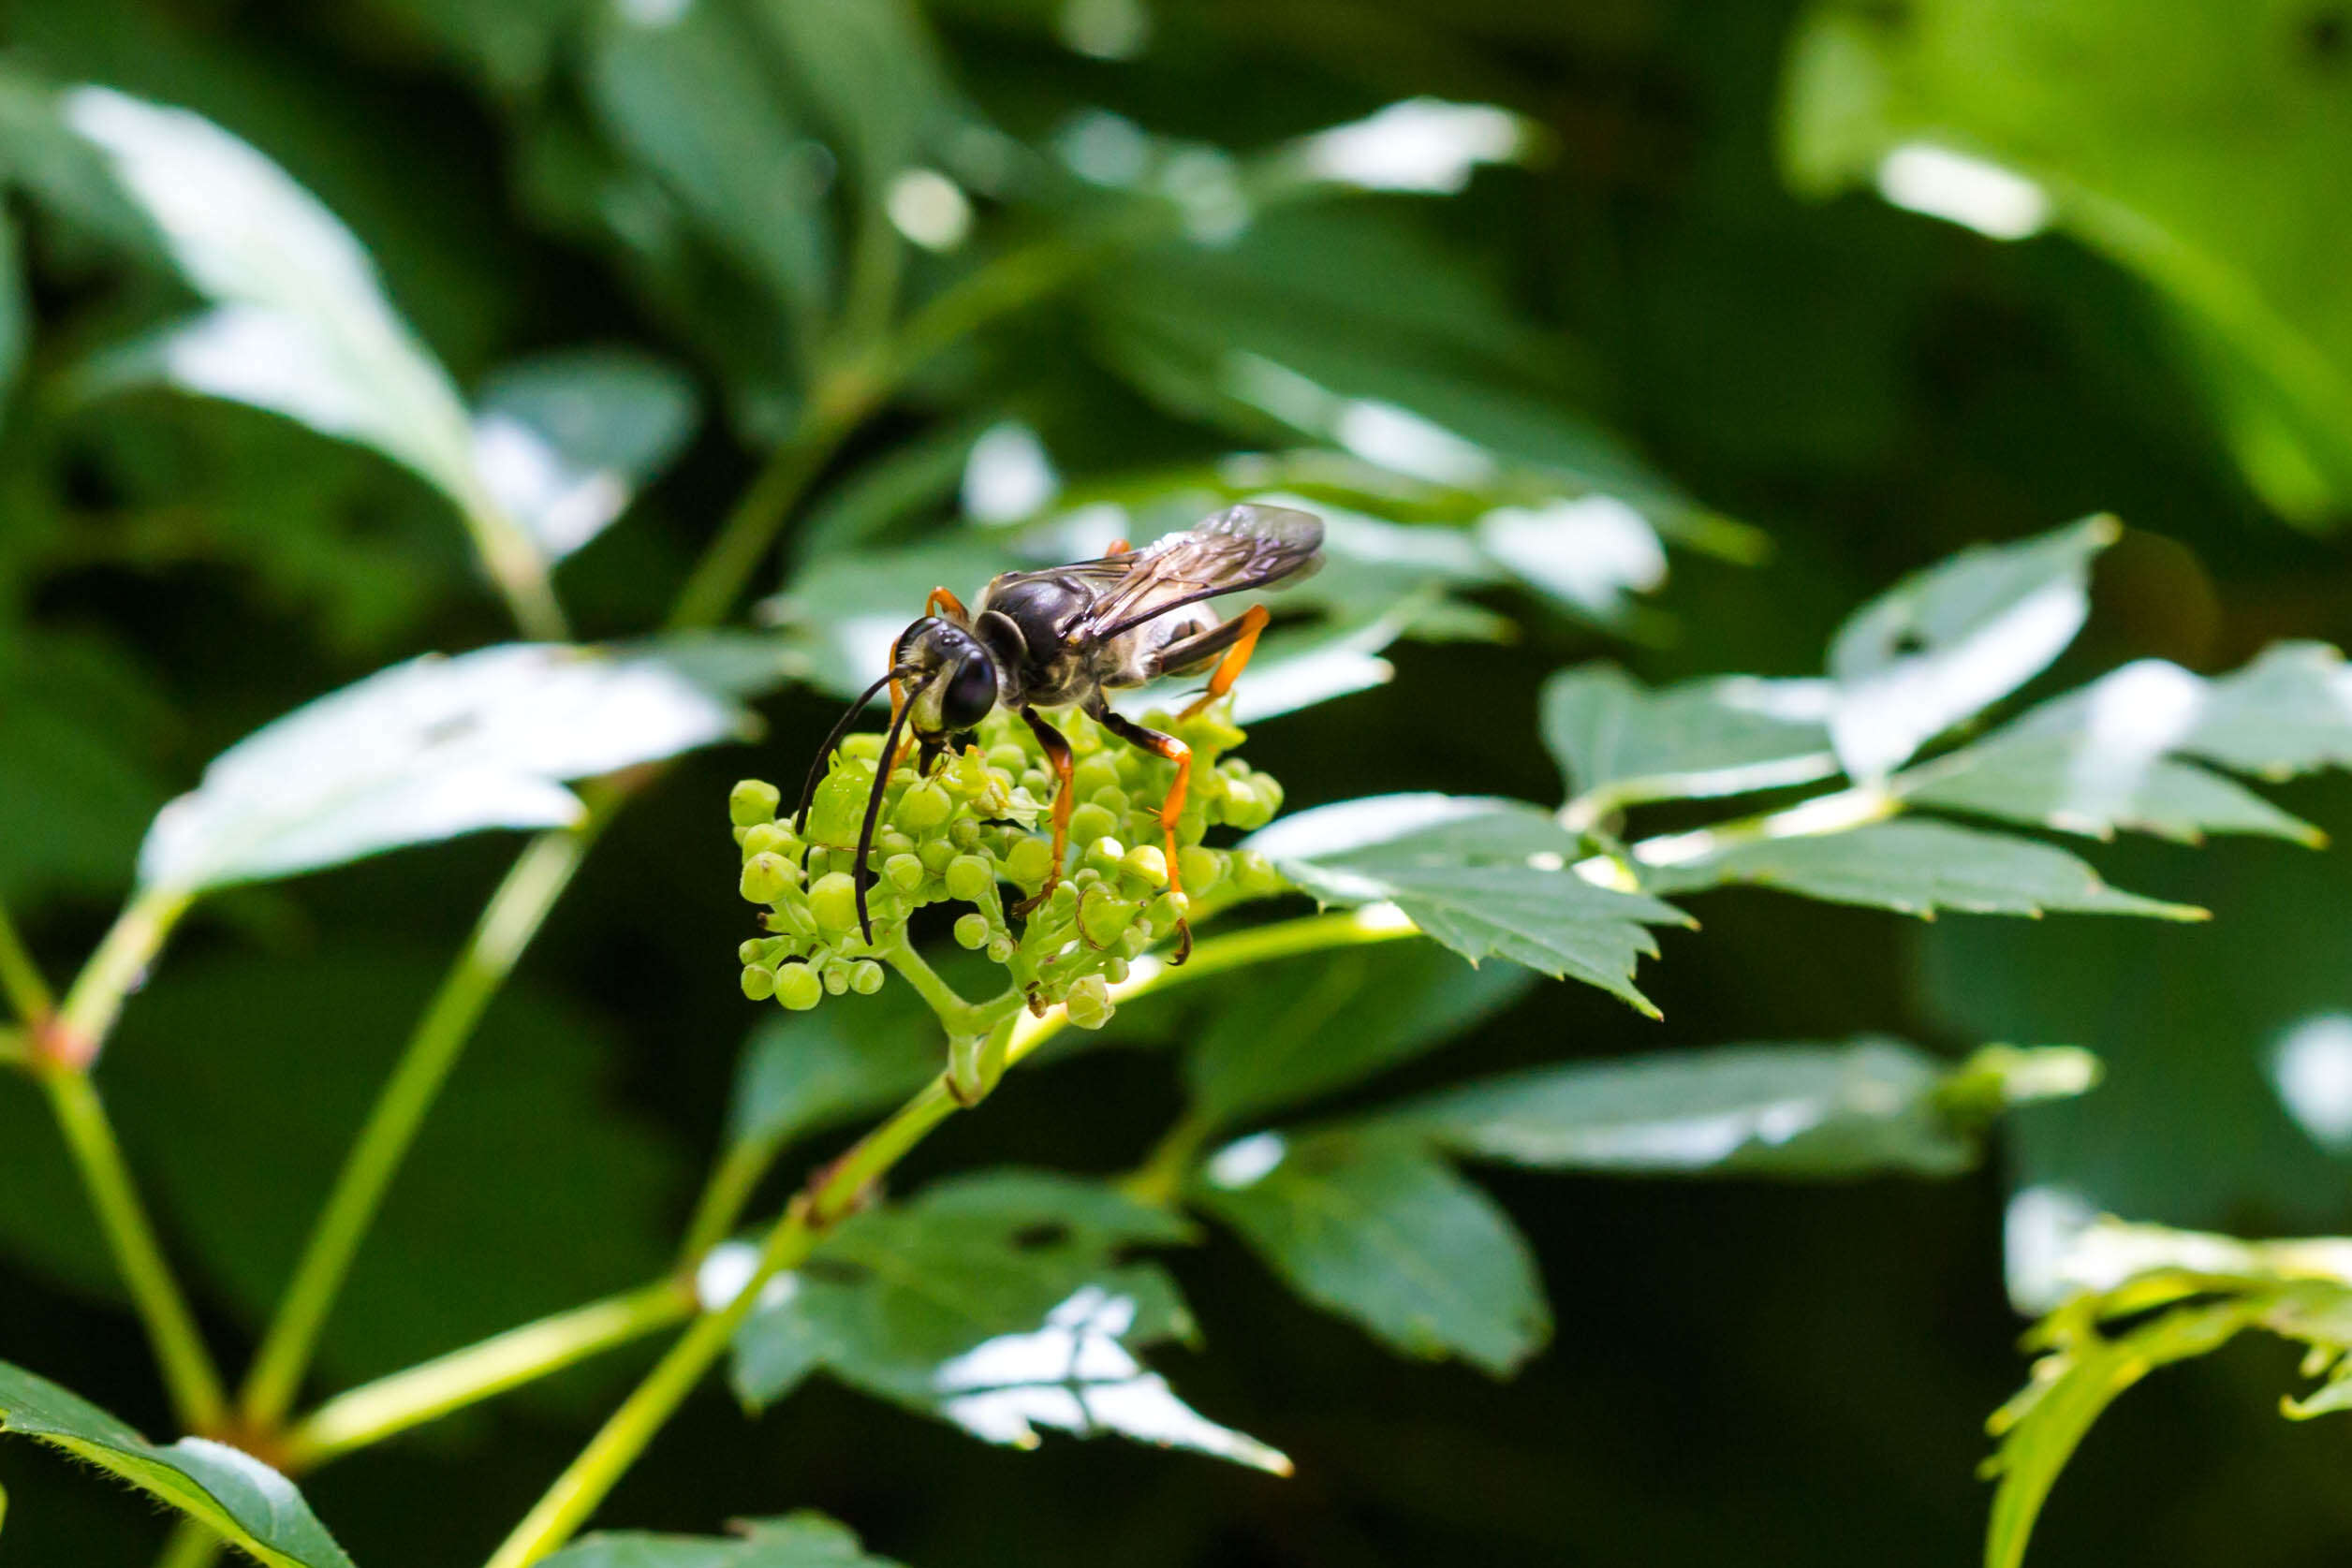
(875, 340)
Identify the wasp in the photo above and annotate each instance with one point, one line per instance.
(1064, 636)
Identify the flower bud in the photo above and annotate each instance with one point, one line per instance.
(798, 986)
(964, 832)
(864, 746)
(1090, 822)
(1202, 869)
(903, 871)
(1089, 1002)
(865, 976)
(834, 974)
(1028, 861)
(934, 853)
(765, 877)
(1104, 920)
(1110, 799)
(969, 878)
(769, 838)
(752, 951)
(1146, 863)
(754, 801)
(1000, 950)
(758, 984)
(1103, 854)
(833, 900)
(971, 930)
(1096, 773)
(922, 808)
(1254, 873)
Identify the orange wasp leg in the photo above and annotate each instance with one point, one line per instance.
(1172, 809)
(1230, 668)
(941, 599)
(1057, 751)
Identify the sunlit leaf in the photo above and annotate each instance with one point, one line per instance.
(301, 324)
(1798, 1111)
(1947, 642)
(1486, 877)
(227, 1488)
(1914, 867)
(1382, 1232)
(564, 441)
(686, 93)
(2289, 711)
(1619, 743)
(804, 1540)
(2072, 1387)
(998, 1304)
(1286, 1032)
(428, 748)
(2100, 119)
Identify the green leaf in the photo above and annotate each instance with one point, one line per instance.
(533, 1182)
(687, 94)
(300, 324)
(869, 68)
(996, 1302)
(1947, 642)
(565, 440)
(2100, 118)
(1288, 1031)
(423, 751)
(1794, 1110)
(78, 779)
(1378, 1231)
(227, 1488)
(2287, 713)
(1485, 877)
(15, 318)
(803, 1071)
(802, 1540)
(1915, 868)
(1619, 743)
(2042, 1427)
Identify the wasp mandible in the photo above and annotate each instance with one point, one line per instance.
(1066, 635)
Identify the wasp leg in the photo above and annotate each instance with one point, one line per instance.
(1244, 632)
(1057, 751)
(1117, 546)
(941, 599)
(1172, 809)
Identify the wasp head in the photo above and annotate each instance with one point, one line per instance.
(950, 679)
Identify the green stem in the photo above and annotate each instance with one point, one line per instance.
(751, 528)
(583, 1487)
(16, 1049)
(194, 1384)
(508, 924)
(1161, 1175)
(733, 1181)
(78, 1033)
(392, 1405)
(21, 980)
(519, 570)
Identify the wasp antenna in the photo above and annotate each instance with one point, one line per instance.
(859, 876)
(825, 752)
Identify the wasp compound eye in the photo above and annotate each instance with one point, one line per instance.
(970, 692)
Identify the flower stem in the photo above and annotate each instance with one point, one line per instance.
(752, 527)
(193, 1381)
(392, 1405)
(508, 924)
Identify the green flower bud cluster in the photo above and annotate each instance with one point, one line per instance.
(979, 832)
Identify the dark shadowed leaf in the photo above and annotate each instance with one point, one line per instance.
(1486, 877)
(564, 441)
(1286, 1032)
(423, 751)
(1619, 743)
(997, 1303)
(77, 783)
(1915, 868)
(868, 69)
(229, 1489)
(1947, 642)
(531, 1181)
(802, 1072)
(1798, 1110)
(1383, 1232)
(804, 1540)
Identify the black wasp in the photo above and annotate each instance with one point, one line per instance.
(1066, 636)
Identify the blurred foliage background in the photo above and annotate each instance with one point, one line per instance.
(1742, 1374)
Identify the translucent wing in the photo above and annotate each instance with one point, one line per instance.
(1240, 548)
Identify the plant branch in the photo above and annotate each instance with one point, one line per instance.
(583, 1487)
(193, 1383)
(717, 580)
(79, 1032)
(21, 981)
(509, 922)
(1161, 1175)
(392, 1405)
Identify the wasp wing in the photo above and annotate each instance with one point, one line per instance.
(1240, 548)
